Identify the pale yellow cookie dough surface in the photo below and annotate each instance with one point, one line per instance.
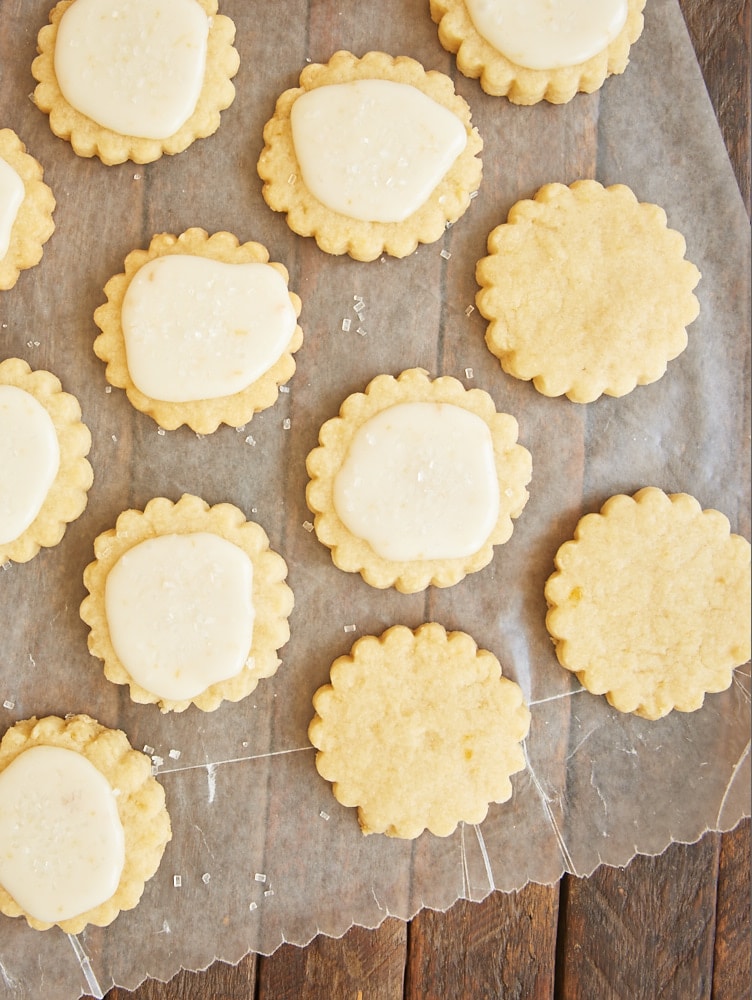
(88, 138)
(202, 416)
(587, 291)
(354, 554)
(650, 602)
(34, 223)
(68, 495)
(284, 190)
(272, 598)
(419, 730)
(140, 802)
(500, 77)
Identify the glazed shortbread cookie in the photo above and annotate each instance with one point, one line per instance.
(416, 480)
(44, 473)
(371, 155)
(650, 601)
(419, 730)
(587, 291)
(534, 50)
(187, 604)
(83, 825)
(26, 207)
(199, 330)
(133, 79)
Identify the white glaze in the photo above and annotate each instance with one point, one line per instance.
(419, 481)
(29, 460)
(11, 197)
(180, 612)
(548, 34)
(62, 846)
(133, 66)
(374, 149)
(197, 328)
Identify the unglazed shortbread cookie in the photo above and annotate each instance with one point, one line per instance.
(26, 207)
(44, 473)
(187, 604)
(83, 825)
(371, 155)
(416, 480)
(419, 730)
(650, 601)
(533, 50)
(133, 79)
(587, 290)
(199, 330)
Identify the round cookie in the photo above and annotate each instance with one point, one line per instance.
(418, 730)
(161, 629)
(649, 603)
(44, 473)
(587, 291)
(160, 100)
(44, 765)
(233, 365)
(26, 207)
(549, 54)
(416, 480)
(371, 155)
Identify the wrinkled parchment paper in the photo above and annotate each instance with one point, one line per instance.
(262, 853)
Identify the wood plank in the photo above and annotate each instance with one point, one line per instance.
(220, 982)
(644, 932)
(501, 947)
(362, 965)
(731, 965)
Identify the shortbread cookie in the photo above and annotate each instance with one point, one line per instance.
(371, 155)
(44, 473)
(83, 825)
(187, 604)
(587, 290)
(133, 79)
(416, 480)
(26, 207)
(538, 51)
(650, 601)
(419, 730)
(220, 308)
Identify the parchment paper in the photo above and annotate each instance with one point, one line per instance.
(262, 851)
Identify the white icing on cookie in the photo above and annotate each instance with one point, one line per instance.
(419, 481)
(180, 612)
(62, 846)
(197, 328)
(29, 460)
(11, 195)
(548, 34)
(133, 66)
(374, 149)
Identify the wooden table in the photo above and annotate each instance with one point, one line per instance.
(674, 927)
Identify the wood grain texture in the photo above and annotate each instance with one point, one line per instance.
(502, 947)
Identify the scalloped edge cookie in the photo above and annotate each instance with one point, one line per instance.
(649, 603)
(272, 598)
(203, 416)
(284, 191)
(67, 497)
(500, 77)
(419, 730)
(587, 291)
(353, 554)
(140, 802)
(34, 224)
(88, 138)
